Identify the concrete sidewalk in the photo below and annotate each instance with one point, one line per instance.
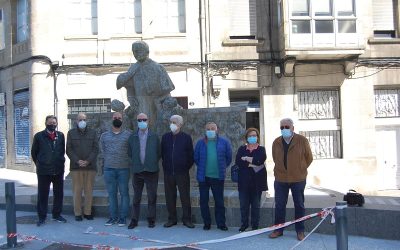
(378, 218)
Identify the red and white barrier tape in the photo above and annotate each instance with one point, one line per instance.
(324, 213)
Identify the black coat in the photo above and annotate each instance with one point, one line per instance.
(247, 176)
(48, 155)
(176, 153)
(82, 145)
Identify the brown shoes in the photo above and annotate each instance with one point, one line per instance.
(275, 234)
(300, 236)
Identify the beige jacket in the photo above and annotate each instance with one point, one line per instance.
(298, 160)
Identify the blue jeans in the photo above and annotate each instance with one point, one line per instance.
(116, 179)
(247, 198)
(217, 189)
(281, 198)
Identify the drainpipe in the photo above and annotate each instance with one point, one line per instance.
(201, 47)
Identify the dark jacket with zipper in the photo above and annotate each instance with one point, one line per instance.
(82, 145)
(176, 153)
(48, 155)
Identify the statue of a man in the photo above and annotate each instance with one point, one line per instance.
(147, 82)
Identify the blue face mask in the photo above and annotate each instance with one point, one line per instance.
(252, 139)
(286, 133)
(210, 134)
(142, 125)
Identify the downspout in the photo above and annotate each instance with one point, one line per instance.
(201, 48)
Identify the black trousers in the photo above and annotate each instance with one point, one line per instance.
(171, 182)
(151, 181)
(44, 182)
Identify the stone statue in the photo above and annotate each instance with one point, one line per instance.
(147, 84)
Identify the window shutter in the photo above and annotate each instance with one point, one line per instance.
(2, 136)
(243, 17)
(383, 18)
(22, 127)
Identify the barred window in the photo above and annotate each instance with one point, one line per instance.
(324, 144)
(76, 106)
(321, 109)
(320, 104)
(387, 103)
(87, 106)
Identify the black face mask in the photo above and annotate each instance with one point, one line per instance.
(117, 123)
(51, 127)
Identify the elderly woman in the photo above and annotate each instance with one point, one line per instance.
(250, 158)
(177, 159)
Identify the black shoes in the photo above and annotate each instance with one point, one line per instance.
(78, 218)
(133, 224)
(206, 226)
(223, 228)
(88, 217)
(170, 223)
(59, 218)
(40, 222)
(188, 224)
(243, 228)
(151, 224)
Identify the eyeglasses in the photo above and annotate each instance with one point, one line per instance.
(285, 127)
(142, 120)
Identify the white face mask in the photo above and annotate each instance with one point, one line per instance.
(173, 127)
(82, 124)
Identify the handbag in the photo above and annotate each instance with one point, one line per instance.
(235, 173)
(353, 198)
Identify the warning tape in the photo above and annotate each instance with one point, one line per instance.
(324, 213)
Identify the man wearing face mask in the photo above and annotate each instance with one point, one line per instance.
(48, 149)
(177, 159)
(114, 162)
(212, 155)
(82, 149)
(144, 154)
(292, 156)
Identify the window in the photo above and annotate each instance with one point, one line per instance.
(383, 12)
(22, 20)
(76, 106)
(126, 17)
(81, 17)
(322, 23)
(387, 103)
(242, 19)
(320, 109)
(2, 32)
(171, 16)
(87, 106)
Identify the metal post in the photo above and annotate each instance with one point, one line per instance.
(10, 215)
(341, 225)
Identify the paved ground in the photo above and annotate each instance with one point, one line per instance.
(73, 232)
(52, 234)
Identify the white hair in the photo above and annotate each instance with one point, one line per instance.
(178, 119)
(290, 121)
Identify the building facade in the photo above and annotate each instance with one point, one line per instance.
(331, 65)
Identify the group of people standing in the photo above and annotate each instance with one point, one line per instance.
(124, 154)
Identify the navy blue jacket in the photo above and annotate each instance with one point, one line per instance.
(48, 155)
(247, 176)
(176, 153)
(224, 157)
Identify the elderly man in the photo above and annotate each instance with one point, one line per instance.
(212, 155)
(48, 149)
(292, 156)
(114, 162)
(177, 159)
(144, 153)
(82, 149)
